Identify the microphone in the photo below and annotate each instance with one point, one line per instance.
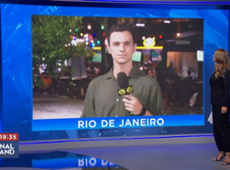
(123, 84)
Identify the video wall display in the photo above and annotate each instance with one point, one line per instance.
(56, 59)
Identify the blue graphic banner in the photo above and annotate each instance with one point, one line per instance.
(117, 122)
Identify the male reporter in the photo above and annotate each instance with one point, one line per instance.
(102, 99)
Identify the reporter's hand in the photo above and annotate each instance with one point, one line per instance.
(132, 104)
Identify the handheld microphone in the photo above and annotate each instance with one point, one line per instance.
(123, 84)
(124, 87)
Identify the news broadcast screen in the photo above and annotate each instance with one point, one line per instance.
(58, 66)
(70, 52)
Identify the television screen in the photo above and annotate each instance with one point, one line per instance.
(200, 55)
(74, 94)
(50, 85)
(96, 57)
(137, 56)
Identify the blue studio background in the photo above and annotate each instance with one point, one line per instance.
(17, 97)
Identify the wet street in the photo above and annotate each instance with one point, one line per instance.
(57, 107)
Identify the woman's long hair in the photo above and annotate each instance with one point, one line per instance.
(221, 59)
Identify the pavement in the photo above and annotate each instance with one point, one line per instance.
(46, 106)
(56, 107)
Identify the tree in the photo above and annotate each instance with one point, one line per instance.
(51, 41)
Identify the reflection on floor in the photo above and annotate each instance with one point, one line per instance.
(192, 156)
(160, 157)
(59, 160)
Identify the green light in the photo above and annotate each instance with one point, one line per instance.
(76, 30)
(102, 27)
(98, 42)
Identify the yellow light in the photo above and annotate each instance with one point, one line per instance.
(81, 34)
(138, 48)
(149, 42)
(151, 48)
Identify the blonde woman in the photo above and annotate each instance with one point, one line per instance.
(220, 100)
